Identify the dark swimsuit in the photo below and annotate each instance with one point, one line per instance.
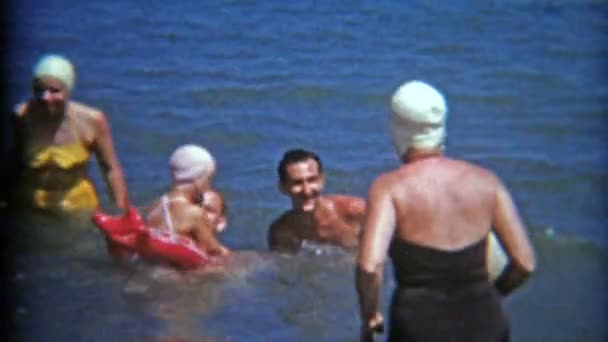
(444, 295)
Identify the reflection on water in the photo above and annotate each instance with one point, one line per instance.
(183, 300)
(71, 293)
(69, 289)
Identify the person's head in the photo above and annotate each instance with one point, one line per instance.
(301, 178)
(192, 165)
(214, 205)
(53, 81)
(418, 116)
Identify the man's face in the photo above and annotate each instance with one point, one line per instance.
(303, 184)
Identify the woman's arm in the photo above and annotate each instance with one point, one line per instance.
(377, 232)
(512, 234)
(108, 161)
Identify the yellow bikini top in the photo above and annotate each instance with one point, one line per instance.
(62, 156)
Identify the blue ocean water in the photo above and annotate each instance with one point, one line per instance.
(528, 98)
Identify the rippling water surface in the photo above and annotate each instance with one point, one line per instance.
(527, 91)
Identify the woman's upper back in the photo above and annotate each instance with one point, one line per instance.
(173, 213)
(443, 203)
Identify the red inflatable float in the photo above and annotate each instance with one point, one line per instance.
(128, 235)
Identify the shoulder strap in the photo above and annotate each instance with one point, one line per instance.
(167, 213)
(73, 127)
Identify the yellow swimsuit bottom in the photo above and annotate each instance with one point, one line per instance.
(79, 194)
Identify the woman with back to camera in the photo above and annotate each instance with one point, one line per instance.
(433, 215)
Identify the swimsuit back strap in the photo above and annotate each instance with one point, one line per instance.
(167, 214)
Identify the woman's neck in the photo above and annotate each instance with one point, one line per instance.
(414, 155)
(58, 113)
(189, 191)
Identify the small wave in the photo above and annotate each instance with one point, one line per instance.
(552, 129)
(535, 163)
(311, 248)
(155, 72)
(488, 99)
(241, 94)
(526, 75)
(446, 49)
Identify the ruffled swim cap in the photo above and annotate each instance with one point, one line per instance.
(58, 67)
(418, 115)
(191, 162)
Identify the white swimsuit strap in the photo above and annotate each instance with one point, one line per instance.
(167, 213)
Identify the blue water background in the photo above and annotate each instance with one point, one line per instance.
(526, 83)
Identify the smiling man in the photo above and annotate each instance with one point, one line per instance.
(329, 219)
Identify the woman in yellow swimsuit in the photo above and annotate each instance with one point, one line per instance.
(55, 138)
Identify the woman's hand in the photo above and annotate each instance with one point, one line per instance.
(372, 327)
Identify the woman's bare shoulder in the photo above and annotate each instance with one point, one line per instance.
(392, 177)
(475, 170)
(86, 112)
(384, 184)
(20, 109)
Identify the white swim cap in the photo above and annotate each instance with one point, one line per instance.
(418, 117)
(58, 67)
(191, 162)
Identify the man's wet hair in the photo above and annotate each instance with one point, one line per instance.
(296, 156)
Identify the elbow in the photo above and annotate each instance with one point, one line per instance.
(366, 268)
(111, 168)
(225, 251)
(104, 166)
(370, 266)
(218, 251)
